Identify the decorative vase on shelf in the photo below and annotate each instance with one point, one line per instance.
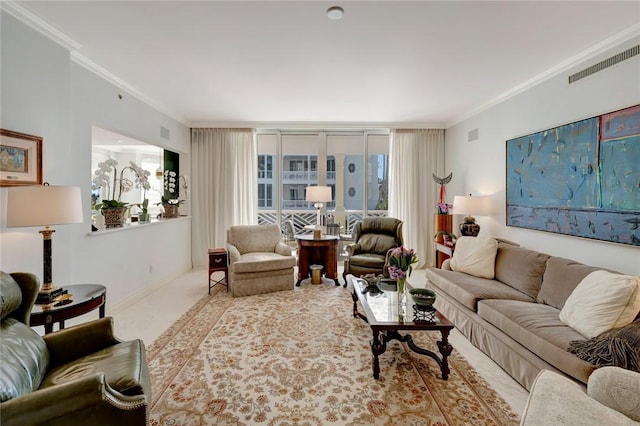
(114, 217)
(442, 222)
(143, 217)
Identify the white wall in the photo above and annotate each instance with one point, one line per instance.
(44, 93)
(479, 167)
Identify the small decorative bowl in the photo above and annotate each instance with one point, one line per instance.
(423, 296)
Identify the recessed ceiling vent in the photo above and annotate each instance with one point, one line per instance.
(623, 56)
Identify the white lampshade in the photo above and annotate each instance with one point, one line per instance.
(320, 194)
(471, 205)
(43, 205)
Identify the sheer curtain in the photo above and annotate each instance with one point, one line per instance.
(224, 168)
(414, 156)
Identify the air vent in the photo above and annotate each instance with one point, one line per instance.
(472, 135)
(164, 133)
(623, 56)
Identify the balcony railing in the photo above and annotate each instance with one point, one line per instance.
(302, 218)
(305, 176)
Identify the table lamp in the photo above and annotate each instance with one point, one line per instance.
(44, 206)
(318, 195)
(470, 205)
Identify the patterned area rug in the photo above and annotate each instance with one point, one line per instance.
(300, 358)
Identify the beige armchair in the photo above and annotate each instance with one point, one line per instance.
(259, 261)
(81, 375)
(375, 237)
(612, 398)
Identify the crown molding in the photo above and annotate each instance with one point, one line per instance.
(314, 125)
(117, 81)
(585, 55)
(38, 24)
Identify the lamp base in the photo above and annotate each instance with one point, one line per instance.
(48, 295)
(469, 229)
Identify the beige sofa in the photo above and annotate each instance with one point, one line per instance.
(259, 262)
(514, 318)
(612, 398)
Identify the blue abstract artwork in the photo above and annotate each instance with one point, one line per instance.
(580, 179)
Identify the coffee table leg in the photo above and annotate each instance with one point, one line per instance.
(445, 349)
(378, 347)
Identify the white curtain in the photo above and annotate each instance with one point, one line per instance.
(224, 169)
(414, 156)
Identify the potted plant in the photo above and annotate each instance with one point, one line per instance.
(448, 238)
(113, 209)
(170, 206)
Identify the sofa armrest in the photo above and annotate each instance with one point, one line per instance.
(616, 388)
(282, 249)
(446, 264)
(75, 342)
(86, 400)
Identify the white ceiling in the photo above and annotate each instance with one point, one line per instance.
(420, 62)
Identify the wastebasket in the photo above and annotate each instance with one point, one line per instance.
(316, 274)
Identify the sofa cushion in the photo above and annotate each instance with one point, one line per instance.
(376, 243)
(475, 256)
(259, 262)
(368, 260)
(560, 277)
(10, 295)
(123, 366)
(602, 301)
(24, 359)
(537, 327)
(520, 268)
(468, 290)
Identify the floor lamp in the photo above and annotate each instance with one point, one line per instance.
(318, 195)
(44, 206)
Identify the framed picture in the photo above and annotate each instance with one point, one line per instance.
(20, 159)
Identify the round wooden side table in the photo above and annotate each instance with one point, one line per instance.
(84, 299)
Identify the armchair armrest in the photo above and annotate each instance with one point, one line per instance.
(75, 342)
(29, 285)
(616, 388)
(86, 400)
(234, 253)
(353, 249)
(282, 249)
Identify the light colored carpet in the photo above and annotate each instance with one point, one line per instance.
(300, 358)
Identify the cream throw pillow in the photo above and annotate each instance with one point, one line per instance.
(602, 301)
(475, 256)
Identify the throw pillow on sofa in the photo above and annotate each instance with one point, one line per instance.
(603, 300)
(475, 256)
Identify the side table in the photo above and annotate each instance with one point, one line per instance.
(84, 298)
(323, 251)
(218, 261)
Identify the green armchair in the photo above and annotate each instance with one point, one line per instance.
(77, 376)
(375, 237)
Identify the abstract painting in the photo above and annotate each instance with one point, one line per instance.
(580, 179)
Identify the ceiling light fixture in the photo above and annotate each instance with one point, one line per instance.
(335, 12)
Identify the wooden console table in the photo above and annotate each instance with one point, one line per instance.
(323, 251)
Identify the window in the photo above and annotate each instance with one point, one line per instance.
(265, 195)
(353, 163)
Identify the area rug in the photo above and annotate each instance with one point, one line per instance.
(299, 357)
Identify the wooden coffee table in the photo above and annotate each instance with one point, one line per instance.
(386, 317)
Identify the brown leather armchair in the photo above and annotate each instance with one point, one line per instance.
(375, 237)
(81, 375)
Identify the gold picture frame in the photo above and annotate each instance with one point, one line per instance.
(20, 159)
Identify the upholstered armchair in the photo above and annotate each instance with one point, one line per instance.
(259, 261)
(612, 397)
(375, 237)
(81, 375)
